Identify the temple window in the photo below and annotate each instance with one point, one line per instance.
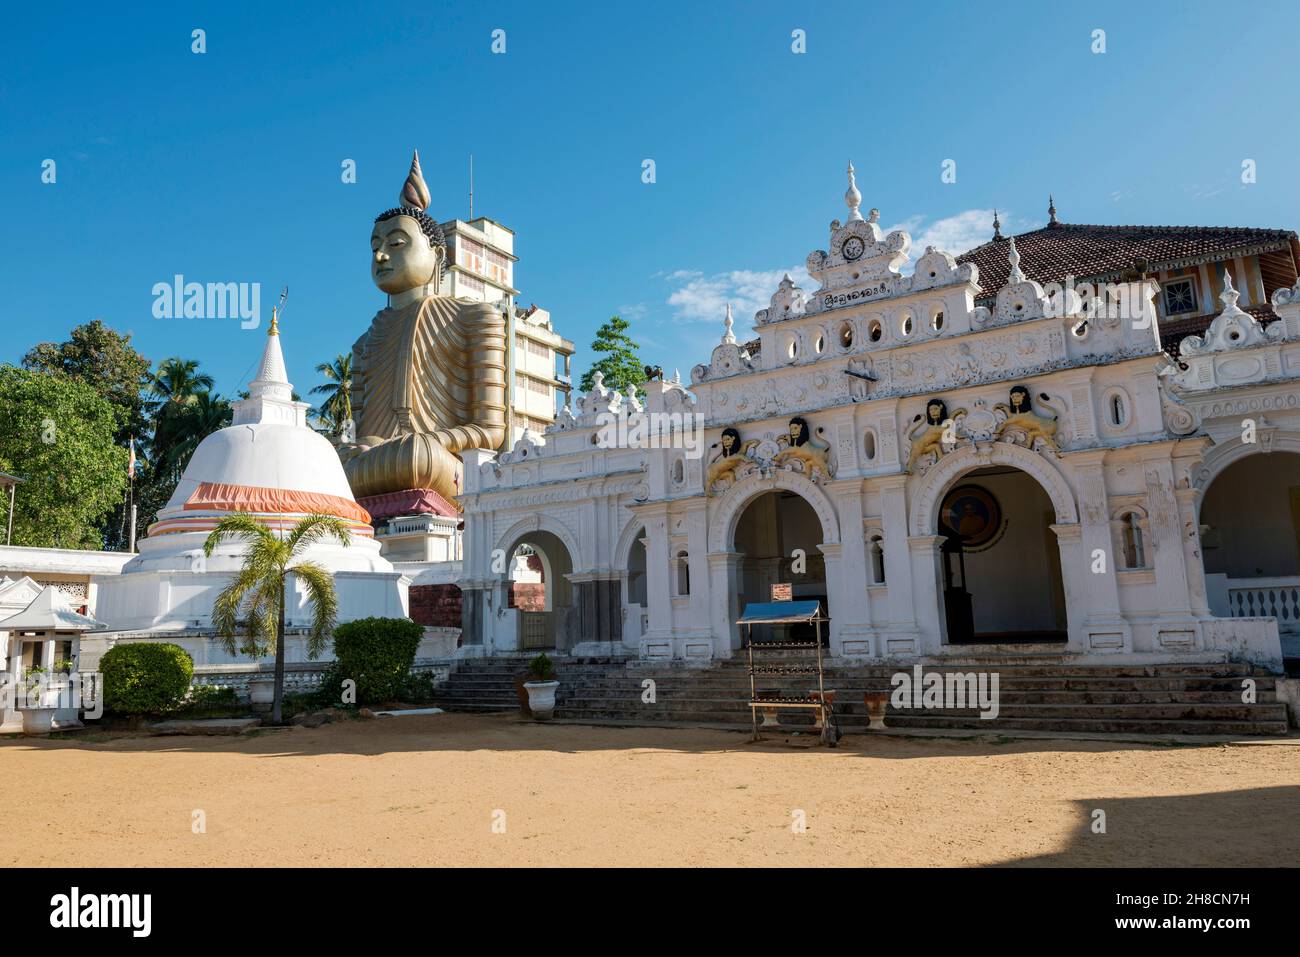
(846, 336)
(683, 574)
(876, 553)
(1131, 539)
(869, 445)
(874, 331)
(1180, 296)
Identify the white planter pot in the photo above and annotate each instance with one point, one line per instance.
(541, 698)
(261, 693)
(38, 720)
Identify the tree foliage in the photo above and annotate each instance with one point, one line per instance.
(255, 599)
(336, 408)
(618, 360)
(59, 435)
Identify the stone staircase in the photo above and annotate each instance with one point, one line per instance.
(1033, 696)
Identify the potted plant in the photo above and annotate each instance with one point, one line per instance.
(876, 702)
(541, 689)
(40, 700)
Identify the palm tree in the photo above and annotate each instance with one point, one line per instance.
(192, 424)
(336, 408)
(258, 589)
(177, 382)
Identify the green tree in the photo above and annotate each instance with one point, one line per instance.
(193, 423)
(619, 360)
(58, 434)
(336, 408)
(256, 595)
(104, 360)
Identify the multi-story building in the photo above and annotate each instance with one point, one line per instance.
(481, 260)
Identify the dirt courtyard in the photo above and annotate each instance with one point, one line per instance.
(466, 790)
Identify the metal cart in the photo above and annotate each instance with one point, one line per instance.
(820, 701)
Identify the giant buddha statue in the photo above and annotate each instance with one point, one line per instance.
(428, 376)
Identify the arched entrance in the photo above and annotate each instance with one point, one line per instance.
(1001, 560)
(538, 591)
(1250, 542)
(778, 538)
(635, 589)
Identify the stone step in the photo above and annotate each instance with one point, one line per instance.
(1195, 690)
(858, 723)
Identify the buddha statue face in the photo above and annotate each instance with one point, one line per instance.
(401, 256)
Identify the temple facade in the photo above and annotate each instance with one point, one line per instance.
(951, 468)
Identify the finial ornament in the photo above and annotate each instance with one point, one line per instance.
(1013, 257)
(1051, 211)
(728, 335)
(275, 323)
(997, 226)
(852, 197)
(414, 191)
(1229, 296)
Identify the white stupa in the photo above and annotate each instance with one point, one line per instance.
(268, 463)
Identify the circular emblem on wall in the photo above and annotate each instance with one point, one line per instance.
(970, 513)
(853, 247)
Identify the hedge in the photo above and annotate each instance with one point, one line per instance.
(376, 653)
(145, 678)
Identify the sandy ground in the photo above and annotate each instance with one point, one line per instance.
(428, 791)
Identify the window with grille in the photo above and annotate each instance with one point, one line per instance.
(1180, 296)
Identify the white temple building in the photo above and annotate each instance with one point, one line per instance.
(951, 480)
(268, 463)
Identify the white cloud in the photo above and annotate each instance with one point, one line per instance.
(701, 297)
(952, 234)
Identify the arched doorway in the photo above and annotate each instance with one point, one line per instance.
(538, 591)
(635, 593)
(1001, 561)
(778, 537)
(1250, 542)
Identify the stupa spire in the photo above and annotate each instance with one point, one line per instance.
(272, 379)
(1013, 258)
(997, 226)
(728, 335)
(852, 197)
(1051, 211)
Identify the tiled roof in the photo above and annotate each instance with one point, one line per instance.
(1096, 252)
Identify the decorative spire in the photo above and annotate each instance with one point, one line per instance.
(1051, 211)
(275, 323)
(997, 226)
(873, 216)
(1013, 257)
(729, 336)
(414, 191)
(1229, 296)
(853, 198)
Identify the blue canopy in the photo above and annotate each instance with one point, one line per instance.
(777, 612)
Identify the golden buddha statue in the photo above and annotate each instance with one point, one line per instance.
(428, 376)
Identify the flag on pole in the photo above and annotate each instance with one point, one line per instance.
(130, 462)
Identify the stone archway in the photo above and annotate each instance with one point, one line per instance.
(1008, 585)
(726, 572)
(945, 473)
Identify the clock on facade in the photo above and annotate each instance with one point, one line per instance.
(853, 247)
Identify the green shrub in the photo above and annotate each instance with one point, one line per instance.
(211, 701)
(377, 654)
(541, 668)
(145, 678)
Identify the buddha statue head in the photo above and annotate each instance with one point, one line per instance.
(408, 251)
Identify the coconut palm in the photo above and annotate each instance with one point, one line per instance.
(206, 414)
(336, 408)
(256, 596)
(177, 382)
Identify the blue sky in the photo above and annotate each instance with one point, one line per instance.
(225, 166)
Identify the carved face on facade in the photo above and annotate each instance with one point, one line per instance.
(730, 441)
(798, 431)
(1020, 400)
(402, 258)
(936, 411)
